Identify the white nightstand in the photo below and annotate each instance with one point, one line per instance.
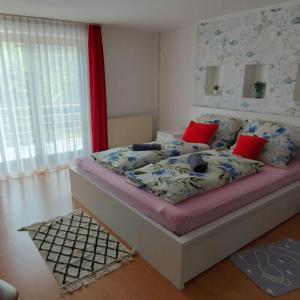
(168, 135)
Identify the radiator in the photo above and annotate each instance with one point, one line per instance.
(123, 131)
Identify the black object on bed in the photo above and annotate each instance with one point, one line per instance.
(197, 163)
(146, 147)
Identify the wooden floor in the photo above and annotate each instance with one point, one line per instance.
(37, 198)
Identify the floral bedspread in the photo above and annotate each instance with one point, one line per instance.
(123, 159)
(173, 180)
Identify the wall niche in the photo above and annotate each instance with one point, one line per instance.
(252, 75)
(213, 79)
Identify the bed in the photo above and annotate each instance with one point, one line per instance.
(184, 240)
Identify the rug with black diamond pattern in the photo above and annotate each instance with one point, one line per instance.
(77, 249)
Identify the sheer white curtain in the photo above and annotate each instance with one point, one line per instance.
(44, 94)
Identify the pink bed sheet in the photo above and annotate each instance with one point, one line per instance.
(198, 210)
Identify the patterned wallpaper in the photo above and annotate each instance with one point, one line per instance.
(270, 37)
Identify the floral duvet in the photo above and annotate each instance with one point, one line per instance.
(173, 180)
(123, 159)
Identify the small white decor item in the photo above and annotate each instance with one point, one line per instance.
(216, 90)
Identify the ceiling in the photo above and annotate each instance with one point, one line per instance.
(157, 15)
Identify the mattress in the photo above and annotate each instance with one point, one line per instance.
(198, 210)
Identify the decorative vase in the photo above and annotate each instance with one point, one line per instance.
(259, 93)
(216, 92)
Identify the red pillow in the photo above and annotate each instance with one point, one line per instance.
(199, 132)
(249, 146)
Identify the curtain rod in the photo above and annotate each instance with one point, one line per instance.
(47, 19)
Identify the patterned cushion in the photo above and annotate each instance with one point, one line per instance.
(269, 130)
(280, 149)
(227, 132)
(295, 137)
(278, 154)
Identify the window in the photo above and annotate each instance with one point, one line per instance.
(44, 99)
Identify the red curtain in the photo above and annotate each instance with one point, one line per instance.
(97, 89)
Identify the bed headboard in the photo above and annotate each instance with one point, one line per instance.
(199, 110)
(288, 120)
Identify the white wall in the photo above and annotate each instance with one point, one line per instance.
(176, 84)
(130, 58)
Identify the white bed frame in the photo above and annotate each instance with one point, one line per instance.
(180, 259)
